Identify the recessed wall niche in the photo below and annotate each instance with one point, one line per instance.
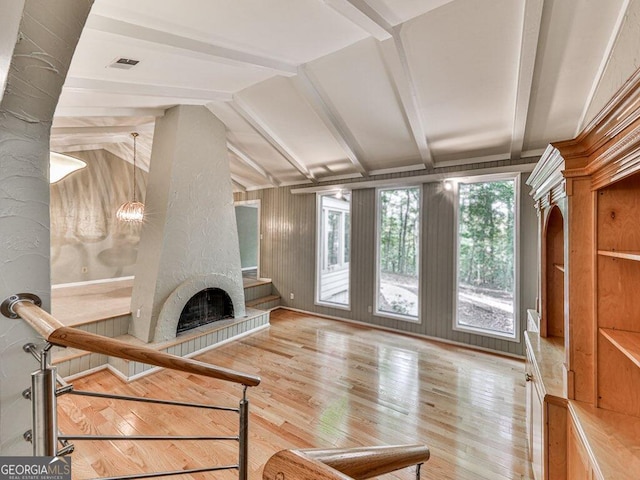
(552, 324)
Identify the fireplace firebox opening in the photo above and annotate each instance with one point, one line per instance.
(207, 306)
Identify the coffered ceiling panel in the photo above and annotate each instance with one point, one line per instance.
(361, 90)
(464, 59)
(274, 103)
(290, 31)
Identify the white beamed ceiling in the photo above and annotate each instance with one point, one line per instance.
(314, 90)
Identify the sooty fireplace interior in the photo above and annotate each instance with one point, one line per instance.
(206, 306)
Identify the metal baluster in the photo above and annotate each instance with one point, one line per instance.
(44, 433)
(243, 460)
(418, 468)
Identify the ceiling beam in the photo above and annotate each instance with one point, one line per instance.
(187, 46)
(78, 140)
(106, 130)
(437, 176)
(357, 17)
(244, 158)
(372, 14)
(603, 65)
(407, 96)
(237, 181)
(406, 91)
(405, 168)
(83, 148)
(77, 84)
(63, 112)
(528, 50)
(310, 88)
(260, 126)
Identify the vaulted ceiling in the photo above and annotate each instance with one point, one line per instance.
(314, 90)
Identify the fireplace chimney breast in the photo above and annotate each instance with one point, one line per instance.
(189, 239)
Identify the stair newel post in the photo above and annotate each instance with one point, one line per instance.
(44, 435)
(243, 438)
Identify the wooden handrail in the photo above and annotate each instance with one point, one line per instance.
(58, 334)
(343, 463)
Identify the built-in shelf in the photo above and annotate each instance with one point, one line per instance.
(611, 440)
(626, 255)
(627, 342)
(559, 266)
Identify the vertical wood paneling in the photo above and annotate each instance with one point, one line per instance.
(288, 257)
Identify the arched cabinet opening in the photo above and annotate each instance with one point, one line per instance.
(553, 302)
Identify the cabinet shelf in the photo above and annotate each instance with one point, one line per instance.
(627, 342)
(559, 266)
(627, 255)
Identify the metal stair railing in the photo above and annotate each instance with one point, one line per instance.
(46, 386)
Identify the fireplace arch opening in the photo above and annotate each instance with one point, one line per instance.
(207, 306)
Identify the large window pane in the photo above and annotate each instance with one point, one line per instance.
(486, 256)
(398, 237)
(334, 235)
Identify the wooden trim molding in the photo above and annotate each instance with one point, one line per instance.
(608, 149)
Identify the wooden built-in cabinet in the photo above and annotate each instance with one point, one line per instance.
(618, 280)
(583, 338)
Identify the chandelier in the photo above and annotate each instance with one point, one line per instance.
(132, 211)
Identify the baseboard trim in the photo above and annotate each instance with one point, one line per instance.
(91, 282)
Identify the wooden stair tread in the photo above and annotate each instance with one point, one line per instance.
(258, 301)
(65, 354)
(252, 282)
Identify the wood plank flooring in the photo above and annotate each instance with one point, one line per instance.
(324, 383)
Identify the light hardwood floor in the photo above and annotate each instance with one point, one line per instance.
(324, 383)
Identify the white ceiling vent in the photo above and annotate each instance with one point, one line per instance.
(124, 63)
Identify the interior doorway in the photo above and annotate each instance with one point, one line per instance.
(248, 222)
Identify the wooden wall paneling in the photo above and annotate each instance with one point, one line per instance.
(580, 342)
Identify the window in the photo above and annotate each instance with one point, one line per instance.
(334, 237)
(398, 247)
(486, 257)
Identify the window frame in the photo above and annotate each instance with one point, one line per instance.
(516, 178)
(321, 246)
(376, 310)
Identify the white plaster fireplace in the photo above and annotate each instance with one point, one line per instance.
(189, 240)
